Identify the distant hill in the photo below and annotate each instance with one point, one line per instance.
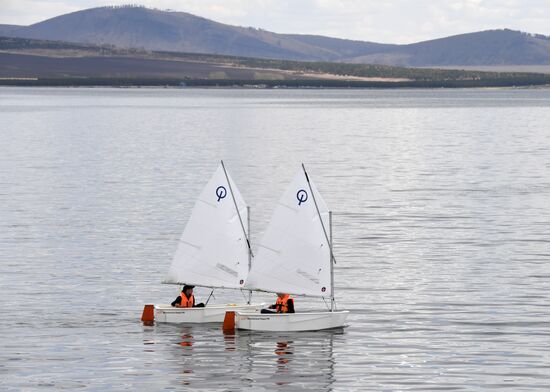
(139, 27)
(492, 47)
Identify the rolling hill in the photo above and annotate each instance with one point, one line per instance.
(151, 29)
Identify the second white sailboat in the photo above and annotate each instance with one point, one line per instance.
(295, 257)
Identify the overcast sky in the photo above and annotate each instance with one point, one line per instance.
(390, 21)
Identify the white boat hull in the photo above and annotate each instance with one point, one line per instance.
(290, 322)
(208, 314)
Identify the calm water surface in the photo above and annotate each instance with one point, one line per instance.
(442, 236)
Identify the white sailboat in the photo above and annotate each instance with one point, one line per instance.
(214, 251)
(295, 257)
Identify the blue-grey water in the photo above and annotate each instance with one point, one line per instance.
(441, 203)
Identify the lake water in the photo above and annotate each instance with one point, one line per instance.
(441, 203)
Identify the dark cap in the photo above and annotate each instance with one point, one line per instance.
(187, 287)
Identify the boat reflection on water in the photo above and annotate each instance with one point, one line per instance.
(284, 351)
(187, 340)
(286, 361)
(230, 342)
(246, 360)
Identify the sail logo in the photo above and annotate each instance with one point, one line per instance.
(301, 195)
(221, 192)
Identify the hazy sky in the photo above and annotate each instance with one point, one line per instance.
(392, 21)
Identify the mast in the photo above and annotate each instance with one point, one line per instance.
(331, 266)
(249, 253)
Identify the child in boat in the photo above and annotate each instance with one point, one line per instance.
(186, 299)
(284, 304)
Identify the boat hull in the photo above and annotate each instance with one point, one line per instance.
(208, 314)
(290, 322)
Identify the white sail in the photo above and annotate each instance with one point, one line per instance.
(294, 254)
(213, 250)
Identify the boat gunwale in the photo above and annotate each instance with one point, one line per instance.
(314, 312)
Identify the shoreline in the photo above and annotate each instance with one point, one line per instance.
(268, 84)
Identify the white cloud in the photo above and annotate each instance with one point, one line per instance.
(392, 21)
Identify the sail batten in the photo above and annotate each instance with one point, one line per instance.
(294, 254)
(213, 250)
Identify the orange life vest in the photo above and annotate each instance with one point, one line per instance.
(185, 302)
(281, 305)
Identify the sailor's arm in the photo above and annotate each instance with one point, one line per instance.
(176, 302)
